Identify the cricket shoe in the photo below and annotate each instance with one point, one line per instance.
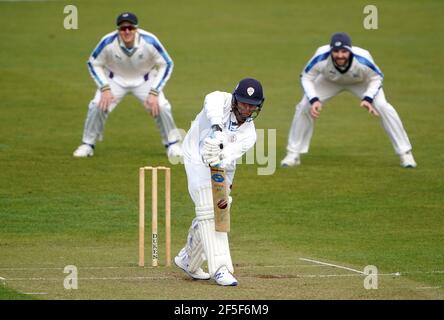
(291, 160)
(199, 274)
(83, 151)
(407, 160)
(223, 277)
(175, 153)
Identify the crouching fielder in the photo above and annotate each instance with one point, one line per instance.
(226, 121)
(340, 67)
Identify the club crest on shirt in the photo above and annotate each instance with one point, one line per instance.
(232, 126)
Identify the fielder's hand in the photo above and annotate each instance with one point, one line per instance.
(315, 109)
(105, 100)
(211, 153)
(369, 107)
(152, 104)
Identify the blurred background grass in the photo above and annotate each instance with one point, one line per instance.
(349, 201)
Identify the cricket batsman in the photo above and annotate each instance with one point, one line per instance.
(129, 60)
(220, 134)
(335, 68)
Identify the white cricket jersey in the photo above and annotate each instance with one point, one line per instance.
(217, 110)
(362, 69)
(130, 68)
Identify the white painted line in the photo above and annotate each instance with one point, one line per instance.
(280, 266)
(283, 276)
(264, 276)
(429, 288)
(92, 278)
(79, 267)
(423, 272)
(149, 267)
(318, 264)
(397, 274)
(26, 0)
(331, 265)
(34, 293)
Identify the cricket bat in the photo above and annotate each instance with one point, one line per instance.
(220, 199)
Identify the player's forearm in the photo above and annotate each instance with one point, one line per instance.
(309, 88)
(163, 75)
(98, 75)
(372, 89)
(214, 108)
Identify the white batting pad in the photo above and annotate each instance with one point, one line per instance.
(194, 249)
(215, 245)
(203, 199)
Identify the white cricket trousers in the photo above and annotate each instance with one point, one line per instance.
(95, 118)
(302, 126)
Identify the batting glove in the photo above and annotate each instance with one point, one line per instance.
(211, 153)
(221, 137)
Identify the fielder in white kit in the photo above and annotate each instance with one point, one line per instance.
(129, 60)
(335, 68)
(226, 121)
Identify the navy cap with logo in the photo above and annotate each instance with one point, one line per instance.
(340, 40)
(249, 91)
(128, 17)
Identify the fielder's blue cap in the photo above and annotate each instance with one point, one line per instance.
(340, 40)
(128, 17)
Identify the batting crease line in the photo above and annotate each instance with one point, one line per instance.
(34, 293)
(331, 265)
(281, 266)
(125, 267)
(318, 275)
(26, 0)
(173, 277)
(61, 268)
(91, 278)
(354, 270)
(318, 264)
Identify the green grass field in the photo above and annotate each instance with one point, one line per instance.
(348, 204)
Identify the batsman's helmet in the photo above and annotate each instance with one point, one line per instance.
(249, 91)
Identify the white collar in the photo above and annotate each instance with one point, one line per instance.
(131, 51)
